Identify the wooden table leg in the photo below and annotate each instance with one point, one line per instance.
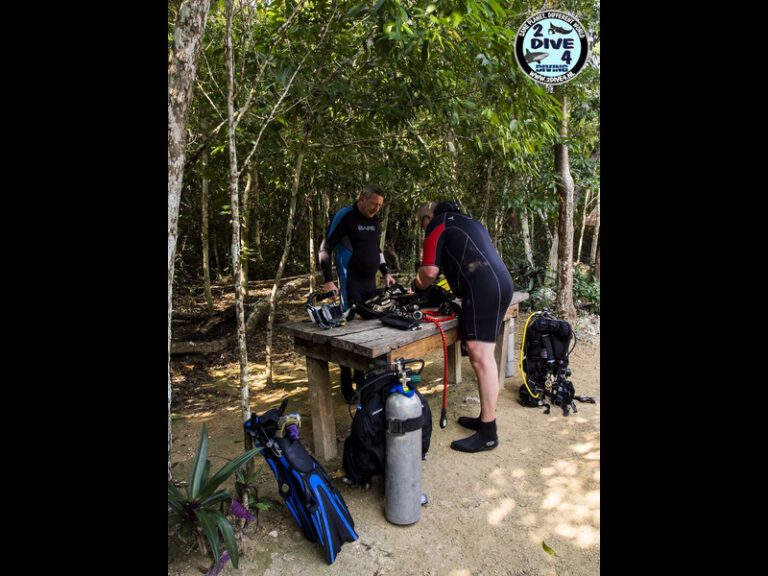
(323, 420)
(511, 352)
(501, 353)
(454, 363)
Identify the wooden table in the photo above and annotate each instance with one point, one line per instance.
(360, 343)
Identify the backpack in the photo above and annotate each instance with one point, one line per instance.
(545, 363)
(364, 449)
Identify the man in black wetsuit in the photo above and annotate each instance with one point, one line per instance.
(461, 247)
(354, 233)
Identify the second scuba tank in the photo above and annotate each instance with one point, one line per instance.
(402, 484)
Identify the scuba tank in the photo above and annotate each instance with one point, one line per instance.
(402, 481)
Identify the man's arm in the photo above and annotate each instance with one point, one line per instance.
(336, 232)
(385, 270)
(426, 276)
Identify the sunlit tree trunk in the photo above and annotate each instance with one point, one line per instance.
(245, 250)
(564, 300)
(311, 239)
(182, 70)
(237, 269)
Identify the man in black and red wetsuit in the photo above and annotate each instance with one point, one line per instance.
(461, 248)
(354, 234)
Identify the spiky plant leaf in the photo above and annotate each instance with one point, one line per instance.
(207, 521)
(229, 538)
(199, 465)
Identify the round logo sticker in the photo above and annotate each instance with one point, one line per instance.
(551, 47)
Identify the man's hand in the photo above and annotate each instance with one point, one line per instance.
(328, 286)
(389, 280)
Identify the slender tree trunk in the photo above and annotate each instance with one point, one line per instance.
(325, 200)
(597, 263)
(237, 269)
(182, 70)
(551, 275)
(526, 237)
(384, 222)
(564, 300)
(595, 234)
(311, 243)
(216, 261)
(286, 252)
(205, 237)
(256, 220)
(498, 231)
(245, 251)
(488, 192)
(584, 215)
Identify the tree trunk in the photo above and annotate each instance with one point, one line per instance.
(286, 251)
(245, 250)
(384, 222)
(256, 220)
(564, 301)
(216, 260)
(595, 234)
(311, 243)
(237, 263)
(551, 275)
(205, 237)
(597, 264)
(325, 202)
(526, 237)
(584, 214)
(488, 192)
(182, 70)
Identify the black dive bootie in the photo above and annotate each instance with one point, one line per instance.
(469, 422)
(484, 439)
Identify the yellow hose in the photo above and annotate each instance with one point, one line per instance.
(522, 348)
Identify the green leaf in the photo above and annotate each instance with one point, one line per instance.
(207, 521)
(229, 539)
(226, 471)
(220, 496)
(547, 549)
(198, 467)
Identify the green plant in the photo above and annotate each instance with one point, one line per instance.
(199, 510)
(247, 490)
(586, 291)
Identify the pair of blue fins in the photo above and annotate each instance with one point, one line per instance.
(303, 483)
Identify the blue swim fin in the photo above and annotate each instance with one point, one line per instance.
(307, 490)
(324, 504)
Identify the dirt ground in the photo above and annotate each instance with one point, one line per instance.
(490, 513)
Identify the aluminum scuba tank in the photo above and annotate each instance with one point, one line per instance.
(402, 483)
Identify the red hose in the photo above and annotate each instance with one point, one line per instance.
(433, 317)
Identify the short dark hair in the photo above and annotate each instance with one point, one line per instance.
(370, 189)
(447, 206)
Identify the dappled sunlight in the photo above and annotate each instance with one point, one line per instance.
(501, 511)
(572, 505)
(518, 473)
(459, 572)
(583, 535)
(499, 477)
(529, 519)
